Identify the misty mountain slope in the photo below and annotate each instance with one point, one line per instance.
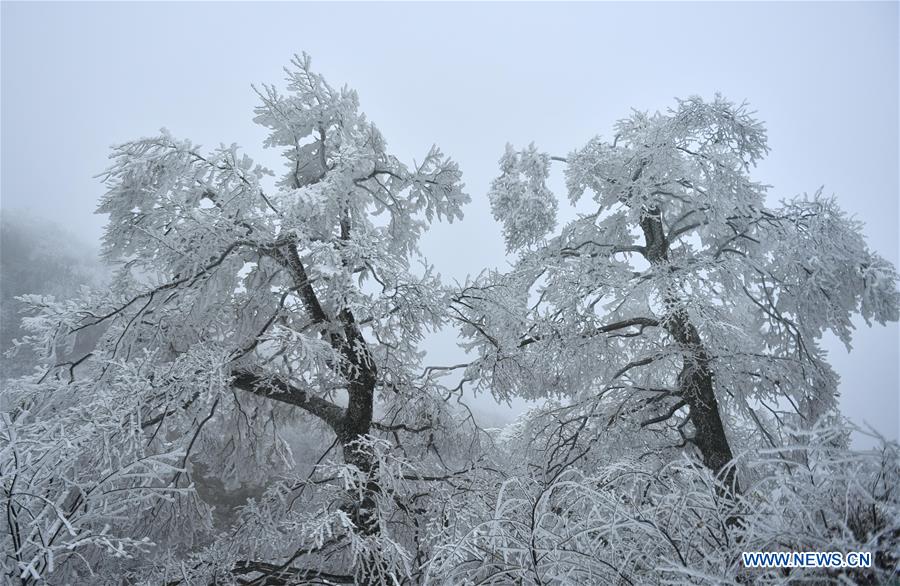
(43, 258)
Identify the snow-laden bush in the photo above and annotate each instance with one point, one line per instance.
(625, 523)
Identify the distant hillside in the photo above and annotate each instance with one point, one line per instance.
(37, 256)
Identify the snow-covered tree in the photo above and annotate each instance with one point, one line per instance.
(682, 310)
(622, 524)
(240, 313)
(677, 319)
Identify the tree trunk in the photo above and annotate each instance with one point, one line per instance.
(359, 370)
(361, 374)
(355, 425)
(695, 381)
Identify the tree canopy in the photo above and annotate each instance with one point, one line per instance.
(682, 303)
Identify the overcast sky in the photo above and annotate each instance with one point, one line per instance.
(77, 78)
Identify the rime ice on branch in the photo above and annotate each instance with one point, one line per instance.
(683, 304)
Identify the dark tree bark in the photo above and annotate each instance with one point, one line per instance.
(357, 421)
(695, 381)
(349, 425)
(360, 374)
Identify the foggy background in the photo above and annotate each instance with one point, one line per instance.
(77, 78)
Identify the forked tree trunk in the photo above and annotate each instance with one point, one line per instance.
(695, 381)
(359, 370)
(350, 425)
